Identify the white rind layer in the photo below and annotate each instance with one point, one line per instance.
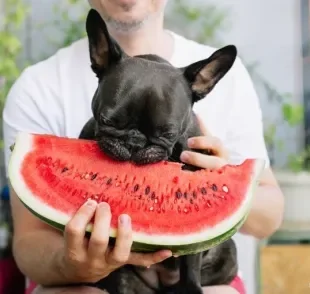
(24, 144)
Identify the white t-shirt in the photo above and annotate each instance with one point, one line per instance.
(54, 96)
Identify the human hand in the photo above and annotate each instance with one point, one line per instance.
(205, 142)
(89, 260)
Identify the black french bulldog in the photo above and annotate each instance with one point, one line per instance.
(142, 111)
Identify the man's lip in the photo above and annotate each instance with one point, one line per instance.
(124, 2)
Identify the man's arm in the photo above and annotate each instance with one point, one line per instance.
(35, 244)
(41, 263)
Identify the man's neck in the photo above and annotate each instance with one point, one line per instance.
(151, 38)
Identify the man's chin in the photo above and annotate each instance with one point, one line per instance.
(126, 22)
(126, 15)
(125, 26)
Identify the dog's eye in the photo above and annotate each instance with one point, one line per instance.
(105, 121)
(170, 135)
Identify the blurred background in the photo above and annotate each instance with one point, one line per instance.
(273, 41)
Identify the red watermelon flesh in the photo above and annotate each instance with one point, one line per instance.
(54, 176)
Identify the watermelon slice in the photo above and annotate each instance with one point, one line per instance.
(170, 208)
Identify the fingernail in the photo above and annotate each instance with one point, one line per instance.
(124, 220)
(104, 205)
(175, 256)
(190, 142)
(91, 203)
(184, 156)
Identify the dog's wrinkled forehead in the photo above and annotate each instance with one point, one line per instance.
(141, 84)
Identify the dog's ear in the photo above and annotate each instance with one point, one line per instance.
(103, 50)
(205, 74)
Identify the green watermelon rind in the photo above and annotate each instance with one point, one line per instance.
(145, 247)
(142, 242)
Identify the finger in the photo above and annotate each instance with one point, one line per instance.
(202, 160)
(99, 239)
(148, 259)
(202, 127)
(209, 143)
(123, 243)
(75, 229)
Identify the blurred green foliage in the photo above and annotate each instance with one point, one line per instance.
(12, 19)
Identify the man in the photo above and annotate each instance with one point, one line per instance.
(54, 96)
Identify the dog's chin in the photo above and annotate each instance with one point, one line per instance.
(118, 150)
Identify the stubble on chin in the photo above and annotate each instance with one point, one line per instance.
(129, 25)
(125, 26)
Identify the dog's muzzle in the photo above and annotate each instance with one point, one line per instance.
(133, 148)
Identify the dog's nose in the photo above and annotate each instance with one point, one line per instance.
(135, 140)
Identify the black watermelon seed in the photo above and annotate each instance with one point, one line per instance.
(191, 201)
(109, 181)
(214, 188)
(64, 169)
(194, 195)
(153, 196)
(93, 176)
(178, 194)
(203, 191)
(185, 195)
(136, 188)
(147, 190)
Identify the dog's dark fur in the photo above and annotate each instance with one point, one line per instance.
(142, 111)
